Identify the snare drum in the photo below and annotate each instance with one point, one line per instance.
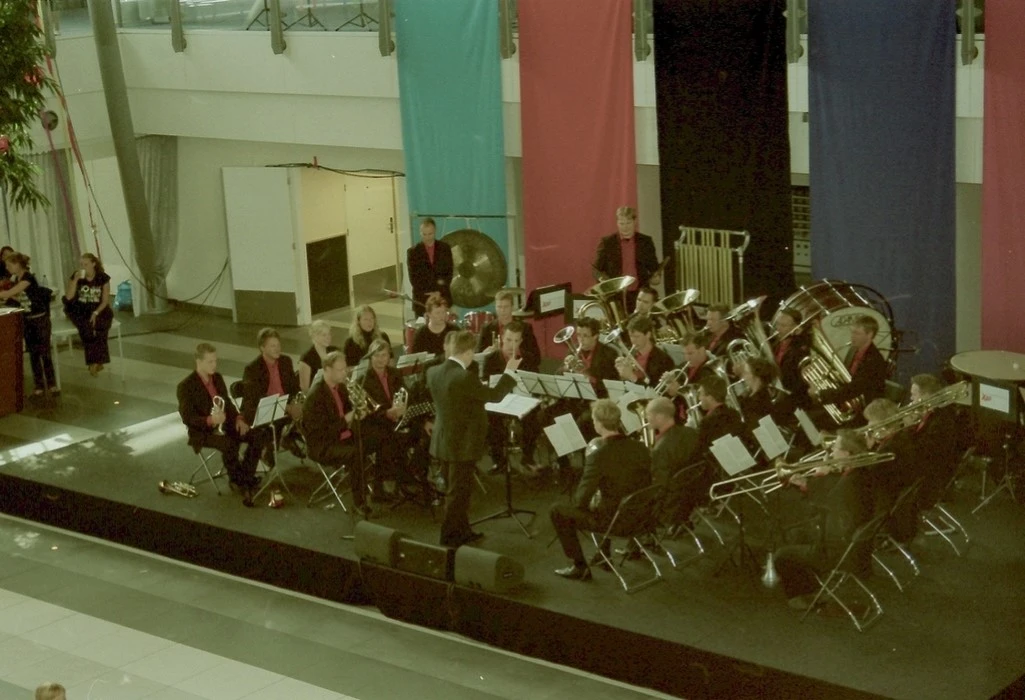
(476, 320)
(408, 334)
(453, 319)
(834, 304)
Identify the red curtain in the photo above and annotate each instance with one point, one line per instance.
(1003, 178)
(579, 158)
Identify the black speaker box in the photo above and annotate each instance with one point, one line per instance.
(425, 559)
(377, 543)
(479, 568)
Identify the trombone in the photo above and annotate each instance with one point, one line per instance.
(778, 476)
(912, 414)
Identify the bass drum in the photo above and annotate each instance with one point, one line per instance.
(476, 320)
(834, 304)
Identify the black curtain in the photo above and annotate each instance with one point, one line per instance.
(723, 134)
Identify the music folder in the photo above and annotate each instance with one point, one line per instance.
(813, 434)
(414, 359)
(270, 409)
(513, 405)
(731, 454)
(769, 438)
(565, 435)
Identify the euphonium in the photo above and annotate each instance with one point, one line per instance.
(573, 361)
(824, 370)
(746, 319)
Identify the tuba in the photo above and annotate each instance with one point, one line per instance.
(676, 312)
(573, 362)
(610, 296)
(755, 343)
(824, 370)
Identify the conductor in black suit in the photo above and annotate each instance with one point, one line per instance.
(430, 267)
(616, 466)
(627, 252)
(460, 427)
(866, 365)
(196, 407)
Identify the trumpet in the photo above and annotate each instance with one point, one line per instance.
(573, 362)
(178, 488)
(778, 476)
(615, 339)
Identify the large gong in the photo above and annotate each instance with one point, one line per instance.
(479, 268)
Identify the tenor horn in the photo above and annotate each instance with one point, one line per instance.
(573, 362)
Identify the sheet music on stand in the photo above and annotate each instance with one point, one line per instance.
(530, 383)
(731, 454)
(522, 387)
(769, 438)
(416, 358)
(618, 388)
(579, 387)
(812, 433)
(565, 435)
(513, 405)
(631, 422)
(270, 409)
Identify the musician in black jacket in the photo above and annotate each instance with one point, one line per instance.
(430, 268)
(491, 333)
(718, 419)
(616, 466)
(627, 252)
(327, 418)
(939, 438)
(788, 349)
(866, 365)
(460, 426)
(383, 383)
(758, 375)
(270, 374)
(196, 407)
(649, 362)
(719, 330)
(511, 347)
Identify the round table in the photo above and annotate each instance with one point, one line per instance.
(1000, 365)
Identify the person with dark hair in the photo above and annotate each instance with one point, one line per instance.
(5, 274)
(649, 362)
(498, 432)
(460, 426)
(26, 293)
(718, 419)
(222, 429)
(429, 265)
(430, 337)
(598, 359)
(87, 305)
(646, 298)
(491, 333)
(789, 347)
(615, 466)
(866, 366)
(383, 383)
(758, 375)
(696, 367)
(719, 330)
(270, 374)
(627, 252)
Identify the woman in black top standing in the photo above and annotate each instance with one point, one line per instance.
(87, 305)
(25, 292)
(363, 331)
(313, 361)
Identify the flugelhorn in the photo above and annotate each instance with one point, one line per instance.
(573, 361)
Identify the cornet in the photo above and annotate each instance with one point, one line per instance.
(614, 338)
(216, 410)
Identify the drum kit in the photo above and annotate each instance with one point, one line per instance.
(473, 321)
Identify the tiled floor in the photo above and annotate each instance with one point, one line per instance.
(114, 623)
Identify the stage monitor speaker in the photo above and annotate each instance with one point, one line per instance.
(425, 559)
(377, 543)
(479, 568)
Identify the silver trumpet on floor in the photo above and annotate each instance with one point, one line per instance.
(177, 488)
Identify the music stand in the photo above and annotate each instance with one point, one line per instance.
(311, 19)
(268, 411)
(734, 458)
(517, 407)
(362, 19)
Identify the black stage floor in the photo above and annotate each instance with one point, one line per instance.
(956, 633)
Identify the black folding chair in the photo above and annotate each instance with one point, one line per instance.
(907, 499)
(635, 519)
(683, 493)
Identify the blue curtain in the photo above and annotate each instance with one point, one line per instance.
(450, 95)
(881, 90)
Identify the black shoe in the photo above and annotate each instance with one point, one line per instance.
(254, 482)
(247, 498)
(577, 572)
(630, 553)
(596, 560)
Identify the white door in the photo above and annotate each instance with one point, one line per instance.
(373, 251)
(261, 219)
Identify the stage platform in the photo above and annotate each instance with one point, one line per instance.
(956, 633)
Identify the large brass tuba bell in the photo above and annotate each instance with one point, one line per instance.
(823, 369)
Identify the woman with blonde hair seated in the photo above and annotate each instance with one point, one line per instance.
(50, 691)
(313, 360)
(363, 331)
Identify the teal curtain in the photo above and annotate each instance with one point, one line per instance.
(450, 94)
